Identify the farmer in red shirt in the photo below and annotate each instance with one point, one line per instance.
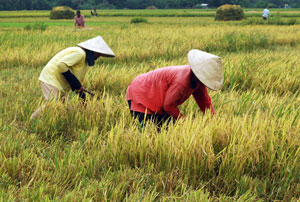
(156, 95)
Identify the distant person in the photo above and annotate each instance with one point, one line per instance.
(79, 20)
(94, 13)
(266, 13)
(157, 94)
(67, 69)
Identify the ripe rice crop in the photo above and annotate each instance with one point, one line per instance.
(248, 151)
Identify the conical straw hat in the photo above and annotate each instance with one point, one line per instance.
(207, 68)
(98, 45)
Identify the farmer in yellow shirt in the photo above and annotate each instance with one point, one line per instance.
(67, 69)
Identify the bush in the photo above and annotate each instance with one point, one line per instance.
(62, 12)
(292, 21)
(138, 20)
(36, 26)
(230, 12)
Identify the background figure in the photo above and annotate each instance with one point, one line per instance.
(67, 69)
(94, 13)
(156, 95)
(79, 20)
(266, 13)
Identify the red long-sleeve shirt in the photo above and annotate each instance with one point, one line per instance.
(162, 90)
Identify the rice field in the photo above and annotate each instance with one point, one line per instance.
(249, 12)
(248, 151)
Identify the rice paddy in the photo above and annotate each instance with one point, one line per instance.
(248, 151)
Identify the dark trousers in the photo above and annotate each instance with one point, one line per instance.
(158, 119)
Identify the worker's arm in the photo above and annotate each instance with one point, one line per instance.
(171, 101)
(203, 99)
(64, 68)
(72, 80)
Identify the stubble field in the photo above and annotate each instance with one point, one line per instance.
(248, 151)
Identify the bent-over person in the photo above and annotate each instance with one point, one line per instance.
(157, 94)
(67, 69)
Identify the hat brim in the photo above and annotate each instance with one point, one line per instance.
(207, 68)
(97, 45)
(97, 51)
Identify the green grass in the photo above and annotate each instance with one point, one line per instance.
(24, 14)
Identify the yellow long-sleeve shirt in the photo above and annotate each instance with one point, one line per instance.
(74, 58)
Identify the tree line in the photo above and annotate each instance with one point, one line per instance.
(139, 4)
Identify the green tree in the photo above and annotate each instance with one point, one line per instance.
(261, 4)
(41, 5)
(136, 4)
